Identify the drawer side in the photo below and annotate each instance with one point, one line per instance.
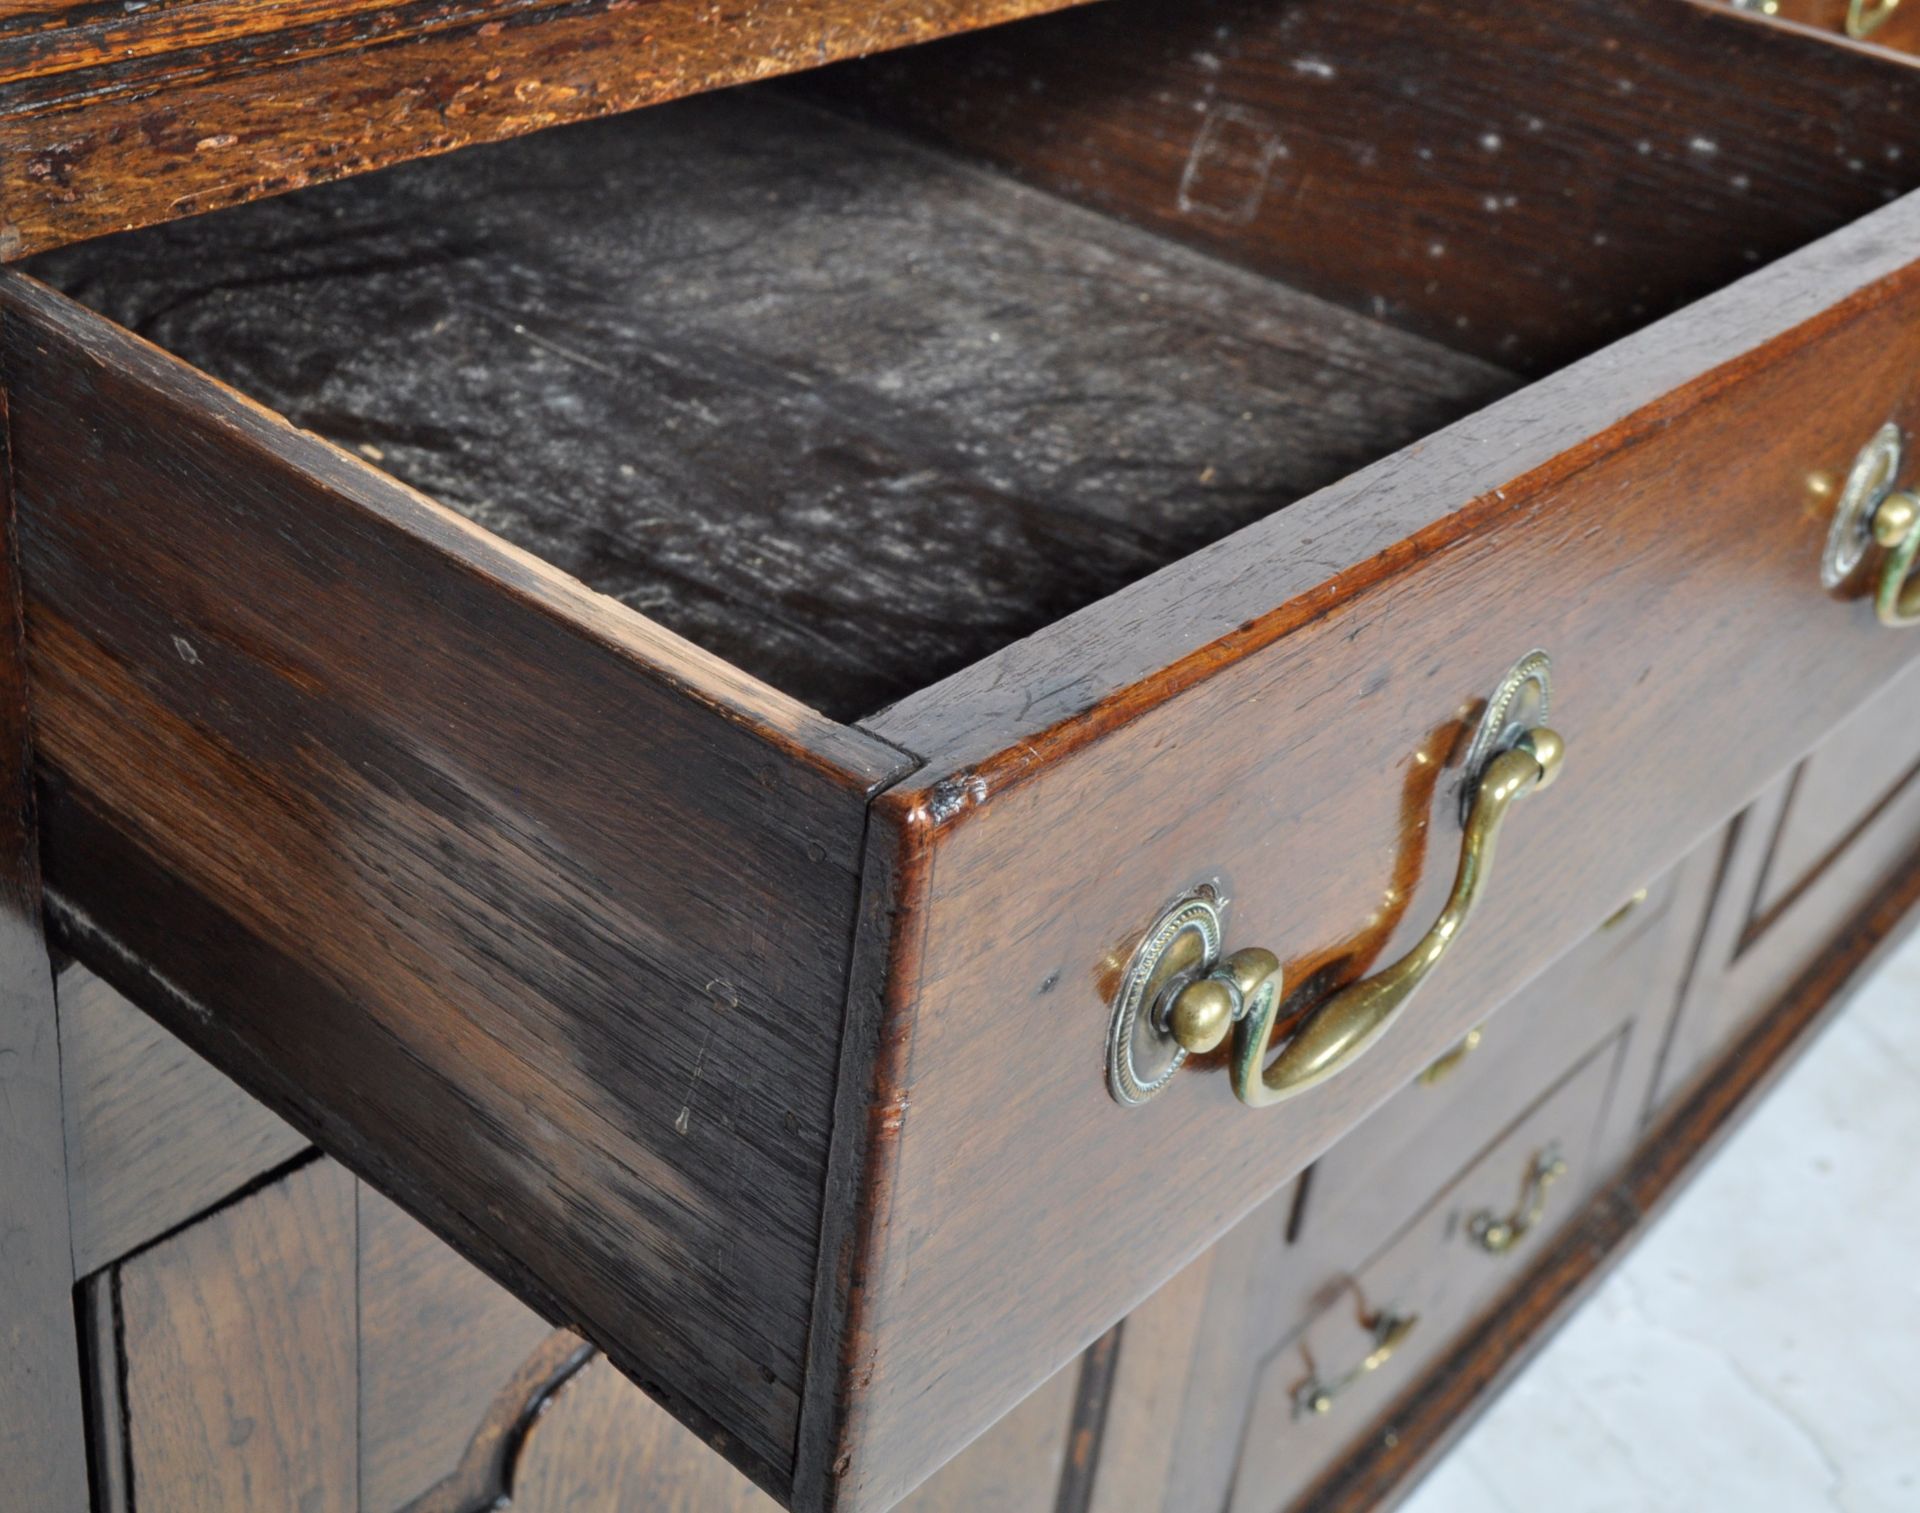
(533, 914)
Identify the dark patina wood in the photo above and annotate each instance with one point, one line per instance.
(830, 405)
(40, 1417)
(1526, 181)
(1322, 662)
(527, 908)
(113, 117)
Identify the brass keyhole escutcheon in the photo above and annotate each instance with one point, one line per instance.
(1171, 1005)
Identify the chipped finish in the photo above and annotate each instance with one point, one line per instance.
(833, 407)
(1391, 156)
(117, 120)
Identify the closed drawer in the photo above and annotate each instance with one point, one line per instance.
(1400, 1310)
(691, 868)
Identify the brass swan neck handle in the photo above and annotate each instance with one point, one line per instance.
(1242, 995)
(1180, 997)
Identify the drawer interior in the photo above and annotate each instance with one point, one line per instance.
(834, 406)
(853, 412)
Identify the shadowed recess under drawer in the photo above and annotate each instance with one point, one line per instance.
(837, 408)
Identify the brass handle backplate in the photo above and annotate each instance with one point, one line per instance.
(1314, 1396)
(1178, 996)
(1871, 510)
(1497, 1234)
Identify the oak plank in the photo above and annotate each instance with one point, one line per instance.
(239, 1342)
(1526, 181)
(171, 110)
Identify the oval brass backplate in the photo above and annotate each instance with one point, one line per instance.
(1142, 1054)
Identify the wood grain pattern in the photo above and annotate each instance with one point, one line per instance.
(155, 1135)
(112, 118)
(535, 914)
(831, 406)
(238, 1337)
(1611, 159)
(40, 1409)
(1324, 661)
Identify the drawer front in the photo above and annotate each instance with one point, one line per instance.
(1282, 715)
(1391, 1316)
(309, 1346)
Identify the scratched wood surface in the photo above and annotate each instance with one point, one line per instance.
(442, 856)
(1319, 669)
(834, 407)
(114, 116)
(1525, 180)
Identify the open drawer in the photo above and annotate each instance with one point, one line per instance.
(690, 860)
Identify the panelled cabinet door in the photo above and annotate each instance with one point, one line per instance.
(309, 1347)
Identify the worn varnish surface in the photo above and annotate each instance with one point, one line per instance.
(1527, 180)
(154, 1133)
(833, 407)
(1645, 516)
(40, 1424)
(532, 912)
(114, 116)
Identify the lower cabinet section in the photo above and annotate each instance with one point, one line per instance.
(309, 1347)
(302, 1344)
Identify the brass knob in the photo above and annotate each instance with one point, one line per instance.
(1205, 1011)
(1872, 511)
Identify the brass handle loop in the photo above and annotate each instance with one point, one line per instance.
(1180, 997)
(1497, 1234)
(1390, 1331)
(1865, 17)
(1871, 510)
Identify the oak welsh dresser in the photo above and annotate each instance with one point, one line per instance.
(790, 799)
